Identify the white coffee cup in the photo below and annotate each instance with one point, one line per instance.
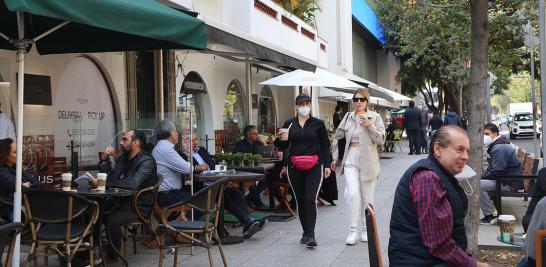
(217, 168)
(283, 134)
(66, 181)
(101, 181)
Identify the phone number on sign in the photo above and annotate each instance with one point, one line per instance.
(83, 132)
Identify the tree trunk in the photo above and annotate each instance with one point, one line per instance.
(478, 84)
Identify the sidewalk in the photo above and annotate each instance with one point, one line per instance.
(278, 244)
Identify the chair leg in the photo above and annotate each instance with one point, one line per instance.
(134, 245)
(68, 256)
(224, 261)
(46, 252)
(91, 252)
(31, 254)
(175, 262)
(211, 260)
(125, 236)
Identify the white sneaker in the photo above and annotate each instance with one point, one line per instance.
(364, 236)
(351, 238)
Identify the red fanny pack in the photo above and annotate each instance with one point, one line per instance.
(304, 163)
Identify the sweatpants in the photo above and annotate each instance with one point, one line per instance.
(306, 185)
(486, 204)
(359, 191)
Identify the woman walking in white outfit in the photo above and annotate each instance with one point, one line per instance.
(364, 131)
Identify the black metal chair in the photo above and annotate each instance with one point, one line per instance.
(8, 234)
(60, 221)
(374, 249)
(144, 217)
(208, 201)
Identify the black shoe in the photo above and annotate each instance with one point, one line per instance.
(250, 228)
(418, 153)
(304, 239)
(410, 153)
(311, 242)
(263, 223)
(489, 219)
(332, 203)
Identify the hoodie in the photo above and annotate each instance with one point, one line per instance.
(452, 118)
(503, 161)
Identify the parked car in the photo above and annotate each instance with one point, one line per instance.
(521, 124)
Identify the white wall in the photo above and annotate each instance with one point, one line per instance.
(38, 119)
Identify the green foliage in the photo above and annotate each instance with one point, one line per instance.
(239, 158)
(433, 41)
(303, 9)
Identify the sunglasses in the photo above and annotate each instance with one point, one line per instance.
(359, 99)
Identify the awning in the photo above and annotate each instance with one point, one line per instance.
(222, 34)
(306, 78)
(147, 25)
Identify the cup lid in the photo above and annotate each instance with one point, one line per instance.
(507, 218)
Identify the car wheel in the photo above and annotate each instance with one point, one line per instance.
(512, 136)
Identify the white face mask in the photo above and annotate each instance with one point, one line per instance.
(467, 172)
(487, 140)
(304, 111)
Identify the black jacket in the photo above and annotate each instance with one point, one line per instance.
(412, 119)
(206, 157)
(134, 174)
(435, 123)
(244, 146)
(337, 118)
(310, 140)
(7, 186)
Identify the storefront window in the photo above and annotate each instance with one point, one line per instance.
(234, 115)
(189, 103)
(266, 112)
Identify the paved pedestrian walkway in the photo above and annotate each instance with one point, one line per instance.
(278, 244)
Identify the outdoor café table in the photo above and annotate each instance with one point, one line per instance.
(100, 197)
(263, 167)
(236, 176)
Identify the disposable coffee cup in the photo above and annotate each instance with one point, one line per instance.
(66, 181)
(284, 134)
(507, 223)
(217, 168)
(101, 181)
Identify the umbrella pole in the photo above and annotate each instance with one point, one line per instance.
(21, 46)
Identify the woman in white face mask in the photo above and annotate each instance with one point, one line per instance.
(363, 131)
(307, 159)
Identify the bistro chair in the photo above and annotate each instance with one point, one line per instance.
(61, 221)
(8, 234)
(374, 250)
(144, 217)
(397, 136)
(6, 205)
(206, 200)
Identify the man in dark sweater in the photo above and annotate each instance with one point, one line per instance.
(435, 123)
(503, 160)
(427, 219)
(412, 124)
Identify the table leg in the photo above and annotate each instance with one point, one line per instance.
(99, 223)
(115, 249)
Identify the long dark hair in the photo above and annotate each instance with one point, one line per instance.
(5, 149)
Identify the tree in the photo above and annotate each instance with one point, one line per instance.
(476, 118)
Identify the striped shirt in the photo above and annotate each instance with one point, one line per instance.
(436, 219)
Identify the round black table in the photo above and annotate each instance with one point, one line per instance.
(100, 196)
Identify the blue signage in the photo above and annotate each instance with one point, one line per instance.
(368, 20)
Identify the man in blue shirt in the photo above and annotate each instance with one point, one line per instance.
(171, 166)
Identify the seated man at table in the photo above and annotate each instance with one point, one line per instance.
(250, 144)
(233, 198)
(502, 160)
(171, 166)
(134, 169)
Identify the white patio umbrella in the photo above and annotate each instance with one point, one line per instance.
(318, 78)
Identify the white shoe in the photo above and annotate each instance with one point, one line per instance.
(351, 238)
(364, 236)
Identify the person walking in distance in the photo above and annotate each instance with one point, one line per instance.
(364, 131)
(307, 160)
(412, 123)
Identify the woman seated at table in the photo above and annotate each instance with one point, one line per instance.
(8, 156)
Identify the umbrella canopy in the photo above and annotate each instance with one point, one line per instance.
(306, 78)
(82, 26)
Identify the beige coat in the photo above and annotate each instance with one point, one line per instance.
(370, 137)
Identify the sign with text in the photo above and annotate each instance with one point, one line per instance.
(83, 112)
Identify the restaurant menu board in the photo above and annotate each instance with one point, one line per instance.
(83, 112)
